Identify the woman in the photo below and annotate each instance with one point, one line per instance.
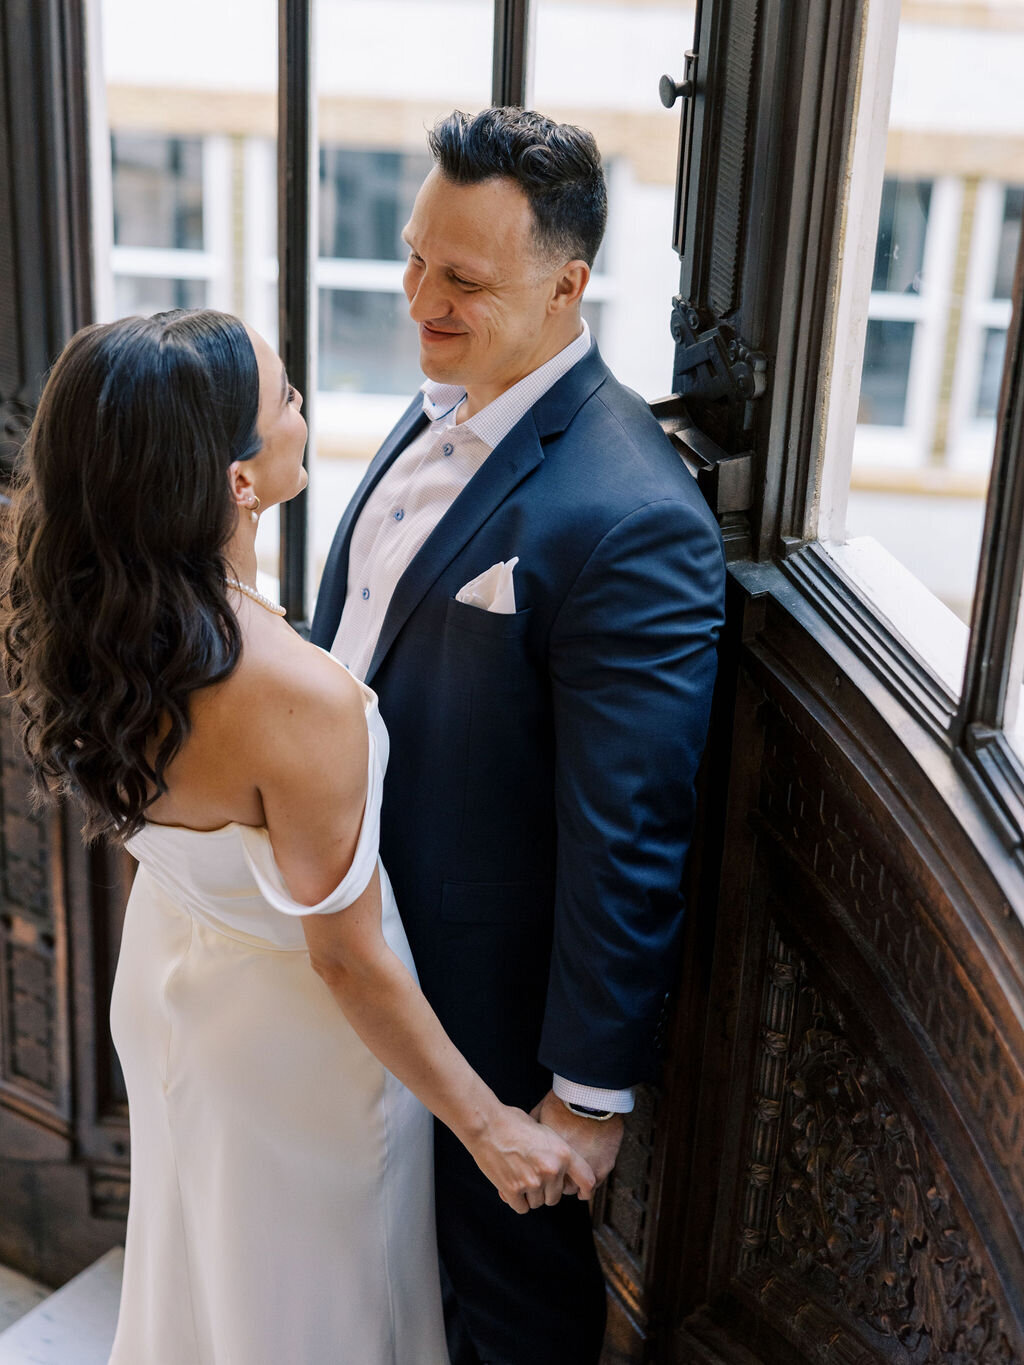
(281, 1190)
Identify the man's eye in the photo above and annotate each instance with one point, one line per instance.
(464, 284)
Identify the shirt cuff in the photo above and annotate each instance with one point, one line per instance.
(571, 1092)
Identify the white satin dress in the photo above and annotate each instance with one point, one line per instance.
(281, 1179)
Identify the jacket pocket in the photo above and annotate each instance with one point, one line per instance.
(495, 624)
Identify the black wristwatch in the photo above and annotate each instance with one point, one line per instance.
(585, 1112)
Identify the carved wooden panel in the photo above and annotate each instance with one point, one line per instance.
(901, 920)
(851, 1236)
(33, 1053)
(624, 1223)
(63, 1130)
(861, 1113)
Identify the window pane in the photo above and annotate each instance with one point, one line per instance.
(593, 313)
(142, 295)
(883, 385)
(902, 224)
(377, 94)
(1009, 242)
(599, 66)
(923, 289)
(365, 199)
(367, 344)
(158, 191)
(991, 372)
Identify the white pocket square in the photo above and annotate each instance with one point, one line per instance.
(492, 590)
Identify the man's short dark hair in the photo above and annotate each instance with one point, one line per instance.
(556, 165)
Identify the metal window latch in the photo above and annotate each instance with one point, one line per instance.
(670, 90)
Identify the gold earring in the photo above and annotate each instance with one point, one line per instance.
(254, 508)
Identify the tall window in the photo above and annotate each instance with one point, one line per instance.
(366, 342)
(908, 524)
(171, 237)
(896, 308)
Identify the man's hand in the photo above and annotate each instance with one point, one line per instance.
(597, 1141)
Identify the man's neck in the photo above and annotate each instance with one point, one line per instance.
(478, 399)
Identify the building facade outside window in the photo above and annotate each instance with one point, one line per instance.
(171, 222)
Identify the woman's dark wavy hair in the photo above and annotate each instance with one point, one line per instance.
(112, 596)
(556, 165)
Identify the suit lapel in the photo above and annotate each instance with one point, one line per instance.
(506, 466)
(334, 584)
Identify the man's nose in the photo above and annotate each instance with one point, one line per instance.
(428, 299)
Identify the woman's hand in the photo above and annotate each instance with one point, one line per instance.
(527, 1162)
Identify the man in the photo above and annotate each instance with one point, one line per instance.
(532, 583)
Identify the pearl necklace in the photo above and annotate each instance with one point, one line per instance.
(275, 607)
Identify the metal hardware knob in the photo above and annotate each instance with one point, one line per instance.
(670, 90)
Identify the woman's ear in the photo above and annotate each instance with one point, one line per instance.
(240, 482)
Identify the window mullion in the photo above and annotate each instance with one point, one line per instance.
(296, 224)
(510, 82)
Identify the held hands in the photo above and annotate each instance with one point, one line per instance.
(528, 1163)
(597, 1142)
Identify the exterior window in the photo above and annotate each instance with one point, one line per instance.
(992, 355)
(610, 86)
(903, 498)
(365, 198)
(158, 191)
(1009, 241)
(145, 294)
(986, 315)
(894, 309)
(171, 223)
(367, 344)
(888, 347)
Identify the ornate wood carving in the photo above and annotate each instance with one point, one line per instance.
(624, 1224)
(843, 1193)
(862, 1102)
(893, 915)
(622, 1217)
(63, 1134)
(33, 1060)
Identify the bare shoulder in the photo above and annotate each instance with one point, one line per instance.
(291, 675)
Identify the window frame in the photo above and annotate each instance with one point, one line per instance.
(839, 60)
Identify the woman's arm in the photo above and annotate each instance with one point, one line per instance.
(526, 1161)
(312, 778)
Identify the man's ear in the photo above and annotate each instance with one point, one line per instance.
(570, 282)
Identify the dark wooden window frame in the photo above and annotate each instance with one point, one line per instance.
(750, 322)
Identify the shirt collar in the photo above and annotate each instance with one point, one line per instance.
(494, 422)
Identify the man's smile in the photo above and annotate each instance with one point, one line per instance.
(430, 333)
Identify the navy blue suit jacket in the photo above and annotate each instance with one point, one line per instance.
(539, 800)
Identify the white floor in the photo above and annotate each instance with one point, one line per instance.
(18, 1294)
(74, 1326)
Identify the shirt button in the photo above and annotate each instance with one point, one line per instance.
(399, 514)
(366, 594)
(447, 448)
